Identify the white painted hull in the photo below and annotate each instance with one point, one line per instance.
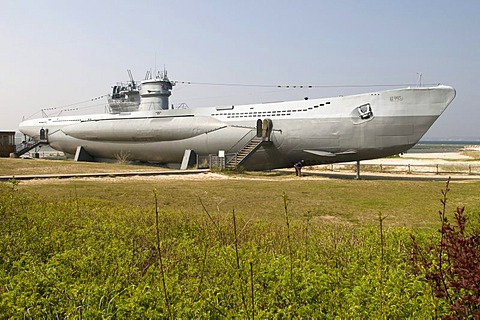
(316, 130)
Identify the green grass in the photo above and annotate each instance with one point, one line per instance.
(88, 248)
(255, 195)
(412, 204)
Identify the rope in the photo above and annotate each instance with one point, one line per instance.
(298, 86)
(74, 104)
(63, 108)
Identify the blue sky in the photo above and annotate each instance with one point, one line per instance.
(58, 53)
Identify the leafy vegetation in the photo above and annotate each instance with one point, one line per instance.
(453, 265)
(68, 253)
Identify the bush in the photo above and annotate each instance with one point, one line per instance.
(81, 258)
(452, 266)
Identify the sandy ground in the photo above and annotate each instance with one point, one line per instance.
(425, 158)
(415, 165)
(177, 177)
(451, 158)
(421, 166)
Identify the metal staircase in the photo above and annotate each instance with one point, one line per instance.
(243, 154)
(23, 148)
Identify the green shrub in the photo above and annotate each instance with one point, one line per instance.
(452, 265)
(82, 258)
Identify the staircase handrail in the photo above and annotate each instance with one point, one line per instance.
(239, 140)
(235, 155)
(23, 144)
(28, 147)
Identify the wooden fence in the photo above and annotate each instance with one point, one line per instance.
(440, 169)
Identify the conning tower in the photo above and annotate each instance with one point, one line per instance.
(154, 93)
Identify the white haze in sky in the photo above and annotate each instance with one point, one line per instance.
(58, 54)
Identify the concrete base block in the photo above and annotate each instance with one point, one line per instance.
(189, 159)
(82, 155)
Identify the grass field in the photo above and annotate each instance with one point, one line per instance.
(404, 203)
(253, 245)
(24, 166)
(258, 195)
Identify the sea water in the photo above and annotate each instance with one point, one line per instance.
(441, 146)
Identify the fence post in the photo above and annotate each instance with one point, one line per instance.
(357, 171)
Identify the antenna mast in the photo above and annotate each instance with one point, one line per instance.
(419, 79)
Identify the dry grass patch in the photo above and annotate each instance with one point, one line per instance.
(23, 166)
(473, 154)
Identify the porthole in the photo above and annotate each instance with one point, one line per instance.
(365, 111)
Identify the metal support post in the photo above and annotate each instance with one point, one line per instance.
(357, 176)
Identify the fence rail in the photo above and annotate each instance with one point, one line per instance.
(214, 161)
(461, 169)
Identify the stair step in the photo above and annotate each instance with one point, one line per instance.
(244, 152)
